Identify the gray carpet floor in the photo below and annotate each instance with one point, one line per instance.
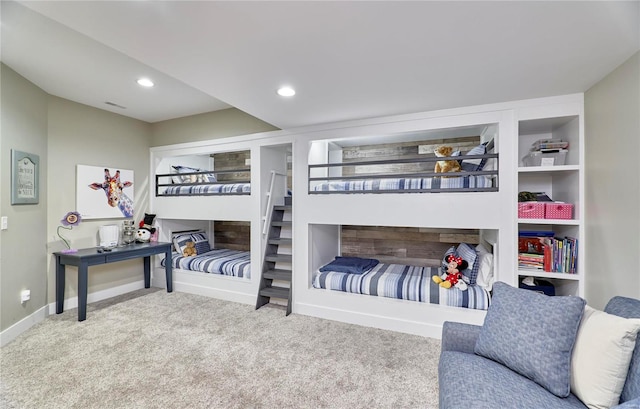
(152, 349)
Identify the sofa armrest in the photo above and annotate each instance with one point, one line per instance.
(459, 337)
(630, 404)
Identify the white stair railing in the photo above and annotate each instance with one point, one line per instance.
(268, 213)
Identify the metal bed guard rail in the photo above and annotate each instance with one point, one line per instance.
(313, 180)
(163, 183)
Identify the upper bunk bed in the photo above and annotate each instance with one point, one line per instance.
(226, 173)
(463, 159)
(203, 186)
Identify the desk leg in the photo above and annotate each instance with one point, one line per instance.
(82, 291)
(168, 270)
(60, 280)
(147, 272)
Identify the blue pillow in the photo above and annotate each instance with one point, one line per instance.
(208, 177)
(201, 242)
(471, 165)
(470, 255)
(532, 334)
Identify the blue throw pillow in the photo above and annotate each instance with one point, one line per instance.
(470, 255)
(201, 242)
(532, 334)
(471, 165)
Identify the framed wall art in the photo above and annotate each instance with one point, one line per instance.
(104, 192)
(25, 175)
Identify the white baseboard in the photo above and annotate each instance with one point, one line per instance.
(99, 295)
(370, 320)
(209, 285)
(21, 326)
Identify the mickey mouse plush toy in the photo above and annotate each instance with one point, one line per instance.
(453, 277)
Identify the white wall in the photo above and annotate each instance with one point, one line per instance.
(612, 142)
(23, 262)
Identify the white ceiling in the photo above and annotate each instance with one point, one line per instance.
(347, 60)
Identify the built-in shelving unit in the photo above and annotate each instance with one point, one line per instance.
(563, 183)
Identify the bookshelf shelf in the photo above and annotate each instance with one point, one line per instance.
(566, 222)
(523, 272)
(545, 169)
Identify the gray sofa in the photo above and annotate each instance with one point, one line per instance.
(468, 380)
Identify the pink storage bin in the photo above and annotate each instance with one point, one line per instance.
(558, 211)
(531, 210)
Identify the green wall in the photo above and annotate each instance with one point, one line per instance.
(23, 256)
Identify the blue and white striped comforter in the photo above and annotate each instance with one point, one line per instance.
(461, 182)
(219, 261)
(214, 188)
(405, 283)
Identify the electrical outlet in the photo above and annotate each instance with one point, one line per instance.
(25, 296)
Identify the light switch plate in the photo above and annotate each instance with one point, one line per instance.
(4, 223)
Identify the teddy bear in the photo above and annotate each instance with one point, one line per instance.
(453, 277)
(190, 249)
(444, 166)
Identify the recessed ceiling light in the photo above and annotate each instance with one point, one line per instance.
(145, 82)
(286, 91)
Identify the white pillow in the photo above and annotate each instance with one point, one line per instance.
(485, 269)
(601, 357)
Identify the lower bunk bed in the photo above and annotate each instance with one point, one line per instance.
(193, 252)
(404, 282)
(414, 283)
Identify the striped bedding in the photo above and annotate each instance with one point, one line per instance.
(461, 182)
(405, 283)
(219, 261)
(214, 188)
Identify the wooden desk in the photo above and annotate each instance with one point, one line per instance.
(84, 258)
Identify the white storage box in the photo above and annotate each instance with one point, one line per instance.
(540, 158)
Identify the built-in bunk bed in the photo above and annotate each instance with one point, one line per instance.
(193, 252)
(387, 176)
(412, 280)
(211, 194)
(364, 171)
(200, 175)
(203, 196)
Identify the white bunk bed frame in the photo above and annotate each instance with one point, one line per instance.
(494, 212)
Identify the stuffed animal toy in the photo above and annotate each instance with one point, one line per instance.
(190, 250)
(444, 166)
(145, 230)
(453, 277)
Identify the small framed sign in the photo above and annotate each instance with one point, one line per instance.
(25, 183)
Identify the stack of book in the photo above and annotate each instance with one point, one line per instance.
(541, 250)
(549, 145)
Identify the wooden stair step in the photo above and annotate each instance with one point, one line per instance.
(282, 208)
(278, 274)
(279, 258)
(280, 241)
(276, 292)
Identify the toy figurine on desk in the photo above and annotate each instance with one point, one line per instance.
(143, 235)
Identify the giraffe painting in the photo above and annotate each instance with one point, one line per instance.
(93, 183)
(114, 189)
